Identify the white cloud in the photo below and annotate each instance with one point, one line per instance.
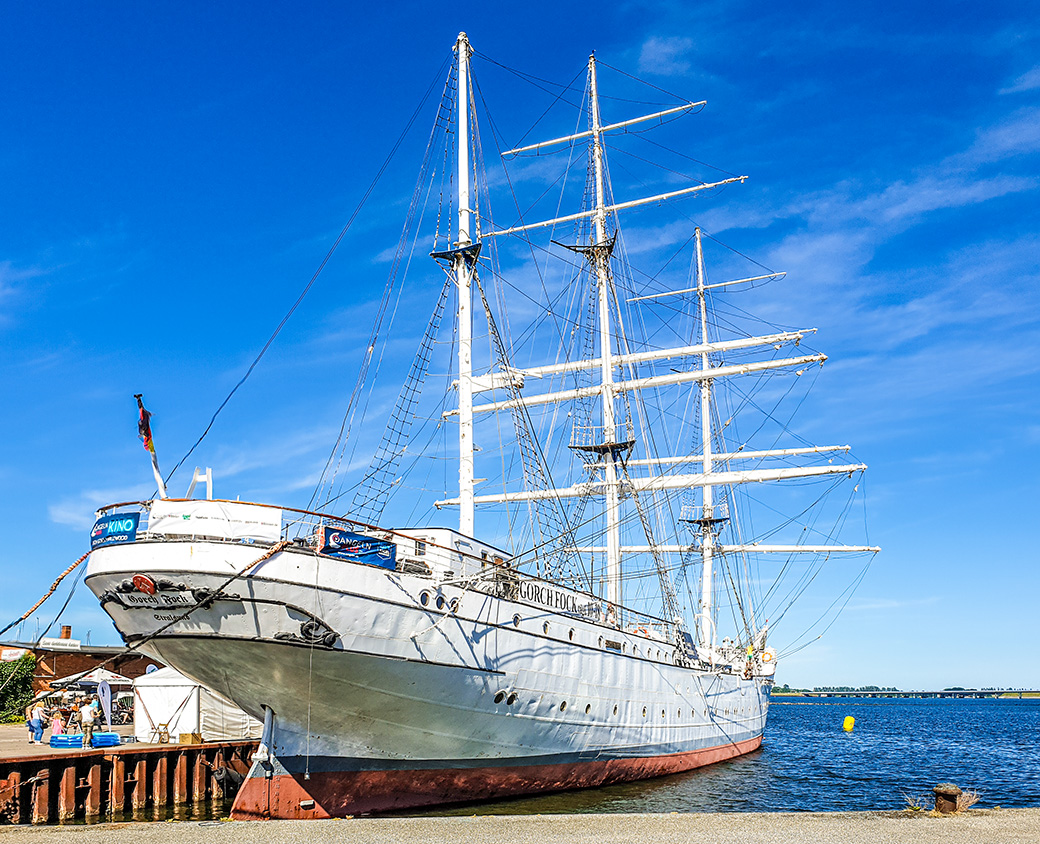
(1028, 81)
(9, 278)
(77, 511)
(1017, 134)
(665, 56)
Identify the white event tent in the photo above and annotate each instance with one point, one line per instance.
(166, 700)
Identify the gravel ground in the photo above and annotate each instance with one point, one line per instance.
(987, 826)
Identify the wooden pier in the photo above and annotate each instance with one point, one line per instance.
(115, 782)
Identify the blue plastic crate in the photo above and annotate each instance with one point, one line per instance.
(106, 739)
(100, 739)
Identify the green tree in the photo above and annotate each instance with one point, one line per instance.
(16, 679)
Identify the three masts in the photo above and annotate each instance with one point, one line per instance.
(611, 445)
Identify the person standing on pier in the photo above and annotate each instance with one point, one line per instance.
(88, 716)
(36, 718)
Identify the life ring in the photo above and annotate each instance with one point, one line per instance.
(643, 632)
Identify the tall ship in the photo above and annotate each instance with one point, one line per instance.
(605, 619)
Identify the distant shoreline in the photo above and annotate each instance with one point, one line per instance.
(945, 694)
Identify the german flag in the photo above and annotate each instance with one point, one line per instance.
(144, 428)
(144, 431)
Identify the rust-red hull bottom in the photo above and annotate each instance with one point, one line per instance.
(334, 794)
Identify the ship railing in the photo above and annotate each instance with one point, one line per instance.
(498, 576)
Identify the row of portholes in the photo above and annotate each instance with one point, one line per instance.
(510, 698)
(545, 627)
(655, 654)
(440, 602)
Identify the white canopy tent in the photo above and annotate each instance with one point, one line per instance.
(93, 678)
(167, 700)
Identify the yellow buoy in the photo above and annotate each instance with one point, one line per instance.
(848, 723)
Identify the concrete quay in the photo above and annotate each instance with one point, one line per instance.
(985, 826)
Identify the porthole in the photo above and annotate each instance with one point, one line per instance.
(501, 696)
(678, 713)
(588, 708)
(440, 602)
(511, 700)
(615, 709)
(662, 713)
(563, 706)
(644, 711)
(516, 621)
(570, 634)
(454, 605)
(545, 627)
(601, 641)
(424, 598)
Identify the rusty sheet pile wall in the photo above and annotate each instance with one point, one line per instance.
(115, 782)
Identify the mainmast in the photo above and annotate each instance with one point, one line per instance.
(707, 520)
(599, 254)
(464, 261)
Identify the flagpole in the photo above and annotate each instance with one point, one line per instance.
(144, 431)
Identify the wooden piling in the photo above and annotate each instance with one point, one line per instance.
(92, 786)
(67, 794)
(160, 783)
(117, 783)
(139, 798)
(180, 779)
(41, 791)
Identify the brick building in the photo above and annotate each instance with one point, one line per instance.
(58, 658)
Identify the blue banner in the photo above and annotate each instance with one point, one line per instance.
(336, 542)
(112, 530)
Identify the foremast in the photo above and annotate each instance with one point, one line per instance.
(465, 254)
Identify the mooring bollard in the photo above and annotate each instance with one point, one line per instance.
(946, 794)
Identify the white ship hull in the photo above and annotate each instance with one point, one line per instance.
(406, 705)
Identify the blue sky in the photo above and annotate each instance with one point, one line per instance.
(171, 175)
